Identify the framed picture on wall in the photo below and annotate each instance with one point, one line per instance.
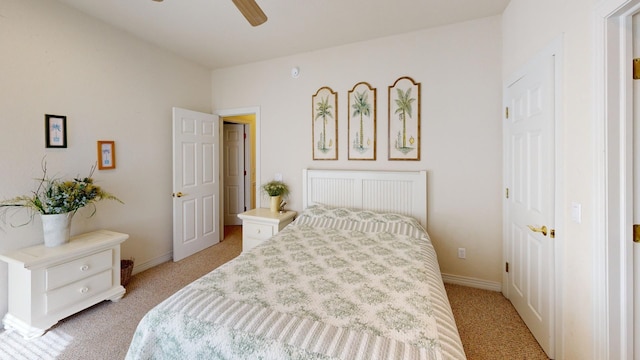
(404, 120)
(325, 124)
(55, 127)
(106, 155)
(362, 122)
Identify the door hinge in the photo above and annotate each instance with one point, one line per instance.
(506, 112)
(636, 68)
(506, 267)
(552, 233)
(636, 233)
(506, 193)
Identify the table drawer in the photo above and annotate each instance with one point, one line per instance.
(257, 231)
(78, 291)
(75, 270)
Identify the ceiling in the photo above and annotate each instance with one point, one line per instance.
(215, 34)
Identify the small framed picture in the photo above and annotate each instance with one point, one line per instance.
(55, 127)
(106, 155)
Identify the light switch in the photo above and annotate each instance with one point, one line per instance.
(576, 212)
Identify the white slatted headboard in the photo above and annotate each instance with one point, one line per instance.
(402, 192)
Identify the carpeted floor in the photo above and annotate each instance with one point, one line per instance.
(489, 326)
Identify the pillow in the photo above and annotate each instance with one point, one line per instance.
(353, 214)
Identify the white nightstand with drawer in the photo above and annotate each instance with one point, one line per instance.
(47, 284)
(260, 224)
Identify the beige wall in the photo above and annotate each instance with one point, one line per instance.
(459, 68)
(111, 87)
(528, 26)
(114, 87)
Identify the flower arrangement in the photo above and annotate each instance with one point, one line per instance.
(275, 188)
(56, 196)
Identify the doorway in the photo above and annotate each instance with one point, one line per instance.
(249, 118)
(236, 152)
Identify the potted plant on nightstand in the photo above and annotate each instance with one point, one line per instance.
(57, 201)
(276, 190)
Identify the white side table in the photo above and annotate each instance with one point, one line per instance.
(47, 284)
(259, 225)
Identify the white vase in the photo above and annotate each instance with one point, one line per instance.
(56, 228)
(275, 204)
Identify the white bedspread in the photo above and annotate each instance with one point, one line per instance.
(335, 284)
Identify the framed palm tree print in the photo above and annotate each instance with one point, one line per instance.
(325, 124)
(362, 122)
(404, 120)
(55, 131)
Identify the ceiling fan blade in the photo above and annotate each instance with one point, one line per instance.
(251, 11)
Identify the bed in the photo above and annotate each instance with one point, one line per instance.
(355, 276)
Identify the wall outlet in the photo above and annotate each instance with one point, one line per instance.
(277, 177)
(462, 253)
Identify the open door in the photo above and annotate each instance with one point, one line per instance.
(530, 197)
(196, 185)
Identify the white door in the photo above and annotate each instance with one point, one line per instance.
(195, 182)
(234, 173)
(529, 208)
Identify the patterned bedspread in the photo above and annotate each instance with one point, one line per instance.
(335, 284)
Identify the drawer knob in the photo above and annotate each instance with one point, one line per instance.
(84, 290)
(258, 231)
(84, 267)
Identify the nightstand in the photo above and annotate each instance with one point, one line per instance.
(47, 284)
(259, 225)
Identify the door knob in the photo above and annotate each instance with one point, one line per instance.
(178, 194)
(542, 229)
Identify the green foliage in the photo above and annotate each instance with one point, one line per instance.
(56, 196)
(275, 188)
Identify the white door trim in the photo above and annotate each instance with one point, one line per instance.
(555, 49)
(612, 248)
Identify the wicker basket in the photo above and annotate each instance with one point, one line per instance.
(126, 266)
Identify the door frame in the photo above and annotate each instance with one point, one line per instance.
(554, 49)
(613, 180)
(254, 110)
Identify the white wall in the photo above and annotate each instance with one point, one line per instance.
(528, 26)
(459, 68)
(54, 60)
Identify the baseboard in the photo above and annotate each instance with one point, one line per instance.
(472, 282)
(137, 268)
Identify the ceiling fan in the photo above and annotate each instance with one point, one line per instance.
(251, 11)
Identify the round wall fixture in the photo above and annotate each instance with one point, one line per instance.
(295, 72)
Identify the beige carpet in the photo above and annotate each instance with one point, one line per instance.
(104, 331)
(489, 327)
